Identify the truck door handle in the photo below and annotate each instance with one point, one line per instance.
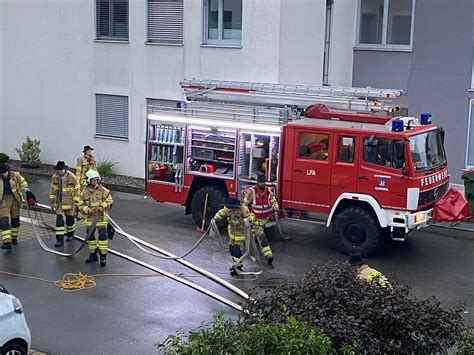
(297, 171)
(363, 177)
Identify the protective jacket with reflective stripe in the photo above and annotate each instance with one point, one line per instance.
(261, 203)
(84, 164)
(17, 183)
(69, 193)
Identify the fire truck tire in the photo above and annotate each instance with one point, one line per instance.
(358, 230)
(215, 201)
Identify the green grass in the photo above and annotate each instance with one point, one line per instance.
(106, 167)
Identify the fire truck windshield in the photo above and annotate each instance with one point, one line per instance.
(427, 151)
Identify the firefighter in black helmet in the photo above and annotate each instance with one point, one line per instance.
(235, 214)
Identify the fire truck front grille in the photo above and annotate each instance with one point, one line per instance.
(433, 194)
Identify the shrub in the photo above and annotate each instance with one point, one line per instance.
(466, 346)
(4, 158)
(227, 337)
(383, 319)
(106, 167)
(30, 153)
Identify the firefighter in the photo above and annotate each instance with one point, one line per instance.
(94, 198)
(84, 163)
(236, 214)
(365, 272)
(262, 202)
(64, 198)
(11, 199)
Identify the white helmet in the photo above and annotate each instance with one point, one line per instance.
(92, 174)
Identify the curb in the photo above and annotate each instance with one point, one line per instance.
(123, 188)
(454, 232)
(113, 187)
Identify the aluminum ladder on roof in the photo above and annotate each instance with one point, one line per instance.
(283, 95)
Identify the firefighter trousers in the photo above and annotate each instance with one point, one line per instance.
(70, 227)
(9, 219)
(235, 249)
(102, 244)
(258, 231)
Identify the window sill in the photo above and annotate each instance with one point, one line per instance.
(381, 48)
(111, 41)
(164, 44)
(215, 45)
(112, 138)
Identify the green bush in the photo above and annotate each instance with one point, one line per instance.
(4, 158)
(106, 167)
(227, 337)
(30, 153)
(386, 320)
(466, 346)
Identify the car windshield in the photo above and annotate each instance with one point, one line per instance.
(427, 151)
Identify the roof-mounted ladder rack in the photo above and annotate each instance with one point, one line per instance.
(283, 95)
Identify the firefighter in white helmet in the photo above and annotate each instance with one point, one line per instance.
(95, 198)
(261, 201)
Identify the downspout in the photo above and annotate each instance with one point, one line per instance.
(327, 41)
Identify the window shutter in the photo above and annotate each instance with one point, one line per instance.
(102, 22)
(120, 18)
(165, 21)
(112, 116)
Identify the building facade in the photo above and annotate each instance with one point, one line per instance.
(426, 48)
(80, 72)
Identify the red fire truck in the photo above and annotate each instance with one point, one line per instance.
(357, 169)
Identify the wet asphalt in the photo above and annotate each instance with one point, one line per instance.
(128, 314)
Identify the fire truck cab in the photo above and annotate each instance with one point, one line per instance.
(367, 175)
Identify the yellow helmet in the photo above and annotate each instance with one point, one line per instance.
(92, 174)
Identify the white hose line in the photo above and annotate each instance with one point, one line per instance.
(186, 263)
(206, 273)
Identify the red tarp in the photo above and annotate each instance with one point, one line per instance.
(452, 207)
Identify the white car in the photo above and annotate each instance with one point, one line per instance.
(15, 338)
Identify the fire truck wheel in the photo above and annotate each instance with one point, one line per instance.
(215, 201)
(358, 230)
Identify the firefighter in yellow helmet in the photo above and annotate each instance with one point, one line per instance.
(236, 216)
(94, 198)
(85, 163)
(11, 199)
(365, 272)
(63, 198)
(262, 202)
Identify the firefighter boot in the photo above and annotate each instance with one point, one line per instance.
(69, 236)
(59, 241)
(92, 258)
(7, 246)
(103, 258)
(233, 270)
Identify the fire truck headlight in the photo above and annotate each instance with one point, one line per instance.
(420, 217)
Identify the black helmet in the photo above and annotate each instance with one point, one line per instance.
(4, 168)
(232, 202)
(355, 259)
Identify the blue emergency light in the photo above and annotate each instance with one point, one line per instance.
(425, 118)
(397, 125)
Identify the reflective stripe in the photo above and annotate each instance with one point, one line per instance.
(238, 239)
(266, 251)
(92, 244)
(374, 274)
(71, 228)
(14, 231)
(6, 235)
(95, 204)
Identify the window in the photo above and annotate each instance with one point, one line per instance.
(313, 146)
(345, 151)
(112, 20)
(384, 152)
(165, 21)
(470, 137)
(385, 23)
(223, 22)
(112, 116)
